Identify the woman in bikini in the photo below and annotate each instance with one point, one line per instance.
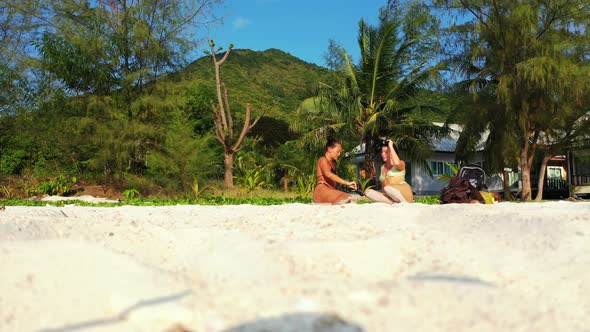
(393, 178)
(325, 191)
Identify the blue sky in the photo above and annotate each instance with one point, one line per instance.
(302, 28)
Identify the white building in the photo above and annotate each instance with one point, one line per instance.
(444, 153)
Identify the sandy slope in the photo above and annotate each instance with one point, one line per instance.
(296, 267)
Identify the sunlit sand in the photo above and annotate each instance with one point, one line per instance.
(296, 267)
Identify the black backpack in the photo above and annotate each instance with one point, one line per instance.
(475, 175)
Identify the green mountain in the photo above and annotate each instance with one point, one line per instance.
(272, 81)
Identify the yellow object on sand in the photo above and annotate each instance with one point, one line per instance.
(488, 196)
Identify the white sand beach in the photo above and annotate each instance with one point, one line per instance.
(296, 267)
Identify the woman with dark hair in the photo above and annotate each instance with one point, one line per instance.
(325, 190)
(393, 178)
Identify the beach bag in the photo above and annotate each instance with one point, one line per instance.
(474, 174)
(460, 190)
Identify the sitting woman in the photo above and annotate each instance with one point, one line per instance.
(325, 191)
(393, 178)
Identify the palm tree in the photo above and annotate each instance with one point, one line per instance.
(377, 96)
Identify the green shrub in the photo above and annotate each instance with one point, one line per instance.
(144, 185)
(130, 193)
(6, 191)
(432, 200)
(253, 179)
(304, 184)
(197, 190)
(61, 186)
(364, 184)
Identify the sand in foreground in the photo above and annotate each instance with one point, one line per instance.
(296, 267)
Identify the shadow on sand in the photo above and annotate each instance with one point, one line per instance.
(451, 279)
(117, 318)
(299, 322)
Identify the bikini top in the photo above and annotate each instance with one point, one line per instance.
(392, 172)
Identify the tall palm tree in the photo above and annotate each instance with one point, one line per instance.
(375, 97)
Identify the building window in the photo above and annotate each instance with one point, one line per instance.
(554, 172)
(440, 168)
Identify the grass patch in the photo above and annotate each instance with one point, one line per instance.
(213, 200)
(430, 200)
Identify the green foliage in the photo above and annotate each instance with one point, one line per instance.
(199, 98)
(273, 81)
(181, 155)
(305, 184)
(303, 181)
(101, 101)
(6, 191)
(197, 190)
(130, 193)
(145, 185)
(430, 200)
(13, 161)
(272, 132)
(253, 179)
(163, 135)
(31, 189)
(525, 73)
(364, 184)
(60, 186)
(216, 200)
(251, 174)
(79, 67)
(379, 95)
(447, 177)
(107, 46)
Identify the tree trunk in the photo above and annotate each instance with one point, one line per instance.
(506, 185)
(228, 163)
(542, 177)
(527, 155)
(525, 170)
(370, 160)
(286, 179)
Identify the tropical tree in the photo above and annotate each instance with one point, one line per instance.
(571, 131)
(479, 114)
(115, 51)
(531, 58)
(378, 95)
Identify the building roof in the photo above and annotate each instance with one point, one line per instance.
(449, 142)
(444, 144)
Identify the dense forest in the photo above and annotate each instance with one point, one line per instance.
(101, 93)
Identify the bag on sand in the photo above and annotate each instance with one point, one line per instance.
(459, 190)
(475, 175)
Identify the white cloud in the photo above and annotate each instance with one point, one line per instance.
(240, 22)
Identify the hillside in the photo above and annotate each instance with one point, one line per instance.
(272, 81)
(275, 82)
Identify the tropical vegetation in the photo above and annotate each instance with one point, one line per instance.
(525, 77)
(106, 93)
(383, 93)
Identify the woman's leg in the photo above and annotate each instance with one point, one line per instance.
(325, 194)
(394, 194)
(345, 200)
(376, 196)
